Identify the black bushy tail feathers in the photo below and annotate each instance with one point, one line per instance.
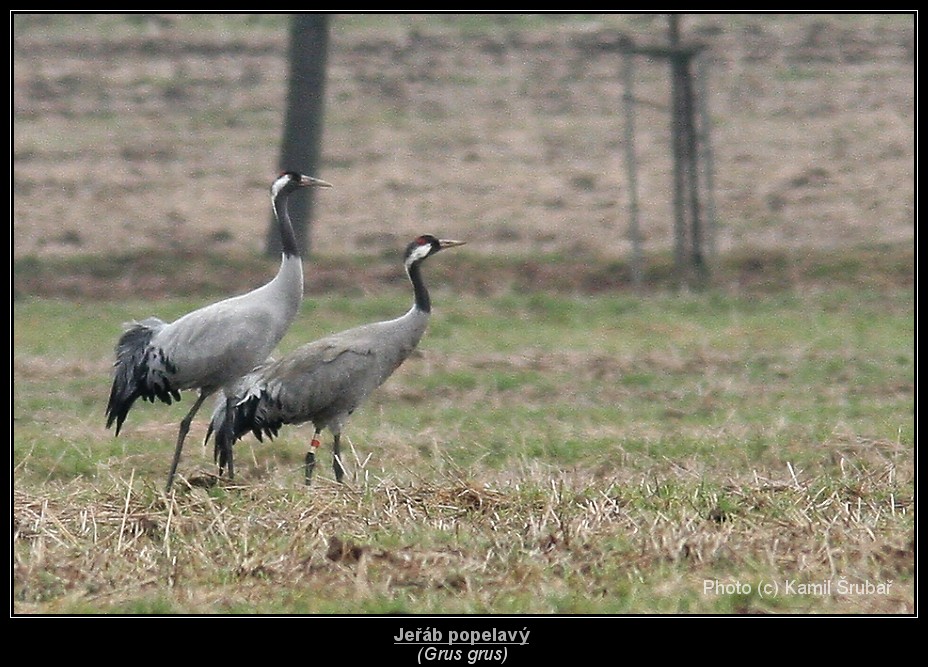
(231, 422)
(222, 428)
(131, 377)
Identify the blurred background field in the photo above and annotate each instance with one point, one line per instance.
(163, 131)
(561, 443)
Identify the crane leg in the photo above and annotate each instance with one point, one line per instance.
(227, 455)
(182, 434)
(311, 457)
(337, 459)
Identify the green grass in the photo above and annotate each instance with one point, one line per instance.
(544, 453)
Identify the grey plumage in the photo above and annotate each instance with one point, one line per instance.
(210, 348)
(323, 382)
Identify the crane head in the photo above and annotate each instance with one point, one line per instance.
(426, 245)
(288, 181)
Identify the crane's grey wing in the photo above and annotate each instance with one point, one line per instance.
(300, 387)
(314, 383)
(217, 344)
(319, 381)
(332, 376)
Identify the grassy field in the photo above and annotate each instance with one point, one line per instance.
(547, 452)
(562, 443)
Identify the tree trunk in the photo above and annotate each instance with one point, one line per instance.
(631, 163)
(678, 149)
(302, 140)
(691, 269)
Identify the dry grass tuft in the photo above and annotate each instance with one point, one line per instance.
(465, 545)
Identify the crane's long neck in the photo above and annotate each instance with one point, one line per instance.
(289, 277)
(423, 302)
(287, 236)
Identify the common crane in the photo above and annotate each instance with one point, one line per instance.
(211, 348)
(323, 382)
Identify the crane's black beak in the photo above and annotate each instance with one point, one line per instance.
(448, 243)
(306, 181)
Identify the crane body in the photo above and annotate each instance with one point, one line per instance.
(325, 381)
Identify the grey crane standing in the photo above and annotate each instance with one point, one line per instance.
(323, 382)
(211, 348)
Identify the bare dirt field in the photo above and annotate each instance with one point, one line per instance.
(162, 132)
